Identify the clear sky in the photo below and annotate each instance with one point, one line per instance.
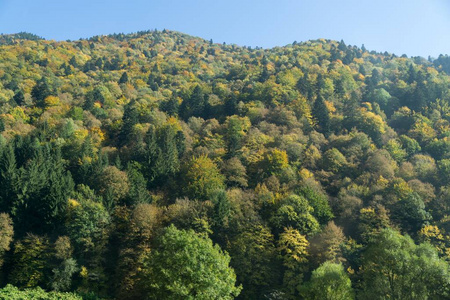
(412, 27)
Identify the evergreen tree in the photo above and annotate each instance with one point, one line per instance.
(124, 78)
(19, 98)
(230, 106)
(154, 79)
(73, 62)
(171, 106)
(169, 151)
(41, 91)
(56, 192)
(10, 179)
(322, 115)
(129, 119)
(194, 105)
(138, 185)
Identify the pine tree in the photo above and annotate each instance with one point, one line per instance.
(123, 78)
(194, 105)
(342, 46)
(230, 106)
(138, 185)
(129, 119)
(56, 193)
(169, 151)
(73, 62)
(264, 74)
(19, 98)
(41, 91)
(151, 154)
(154, 79)
(171, 106)
(9, 178)
(304, 86)
(339, 88)
(322, 115)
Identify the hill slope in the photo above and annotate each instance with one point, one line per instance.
(302, 162)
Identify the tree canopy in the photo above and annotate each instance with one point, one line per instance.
(161, 165)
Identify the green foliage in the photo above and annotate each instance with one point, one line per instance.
(6, 235)
(30, 267)
(10, 292)
(292, 247)
(137, 185)
(187, 266)
(294, 211)
(62, 276)
(41, 91)
(253, 259)
(263, 150)
(235, 132)
(87, 222)
(334, 160)
(162, 154)
(319, 202)
(411, 212)
(195, 105)
(201, 178)
(393, 265)
(322, 115)
(329, 281)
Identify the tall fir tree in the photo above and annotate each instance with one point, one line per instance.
(322, 115)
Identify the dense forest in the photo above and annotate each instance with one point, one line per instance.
(158, 165)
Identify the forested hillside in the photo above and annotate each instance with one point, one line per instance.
(157, 165)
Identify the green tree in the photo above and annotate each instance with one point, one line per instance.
(138, 185)
(444, 170)
(187, 266)
(322, 115)
(236, 128)
(253, 253)
(88, 227)
(9, 175)
(334, 161)
(294, 211)
(329, 282)
(201, 178)
(124, 78)
(19, 98)
(293, 249)
(129, 120)
(41, 91)
(43, 189)
(319, 202)
(87, 224)
(62, 275)
(6, 235)
(10, 292)
(162, 151)
(30, 262)
(394, 267)
(195, 105)
(411, 213)
(65, 267)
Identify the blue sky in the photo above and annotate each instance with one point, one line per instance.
(412, 27)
